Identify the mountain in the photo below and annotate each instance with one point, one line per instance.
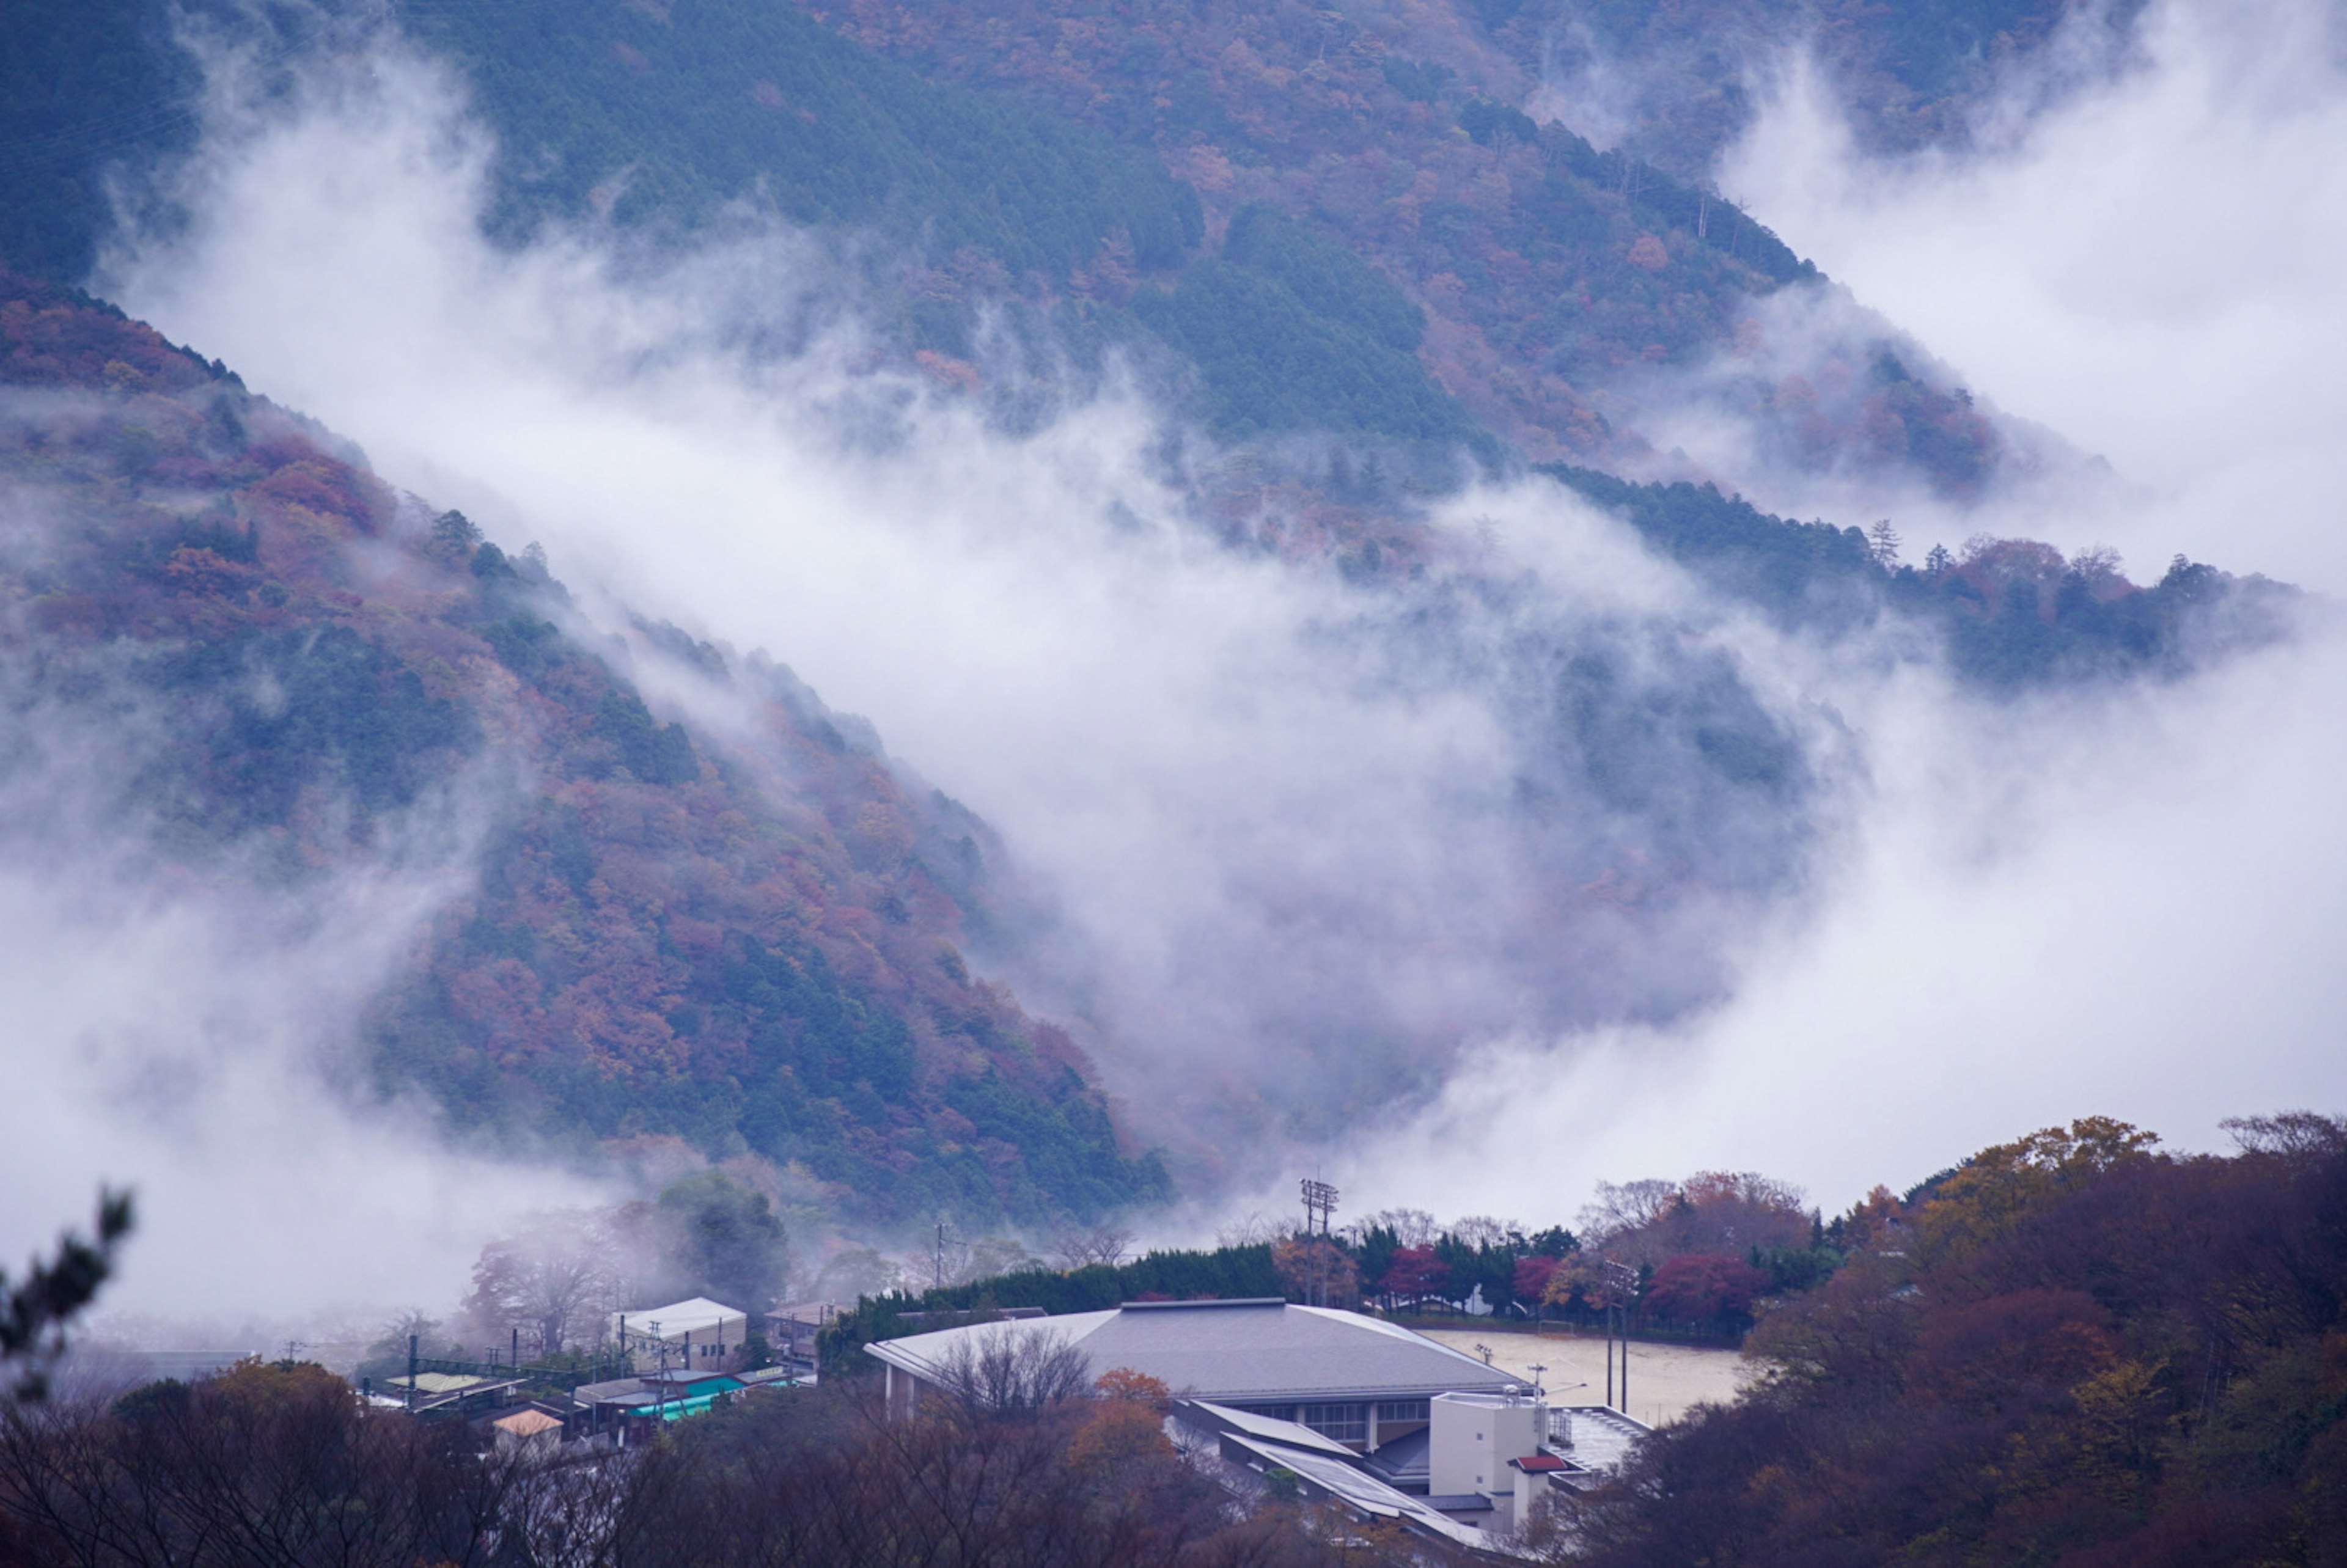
(749, 936)
(1326, 226)
(1359, 254)
(1682, 83)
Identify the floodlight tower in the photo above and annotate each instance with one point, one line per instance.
(1622, 1282)
(1320, 1203)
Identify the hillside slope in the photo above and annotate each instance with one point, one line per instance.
(1090, 179)
(2073, 1350)
(748, 935)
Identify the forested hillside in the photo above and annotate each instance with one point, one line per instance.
(1911, 75)
(2073, 1350)
(1114, 173)
(1556, 277)
(1354, 258)
(750, 943)
(2009, 614)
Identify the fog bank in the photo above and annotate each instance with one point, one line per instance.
(2068, 910)
(2147, 266)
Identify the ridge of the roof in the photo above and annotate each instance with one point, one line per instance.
(1202, 1304)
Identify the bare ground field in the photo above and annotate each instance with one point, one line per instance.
(1666, 1380)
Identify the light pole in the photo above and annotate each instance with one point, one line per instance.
(1623, 1283)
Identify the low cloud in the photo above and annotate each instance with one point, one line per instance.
(2123, 907)
(1282, 814)
(185, 1028)
(1283, 817)
(2080, 904)
(2146, 265)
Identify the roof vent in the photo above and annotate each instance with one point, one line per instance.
(1188, 1306)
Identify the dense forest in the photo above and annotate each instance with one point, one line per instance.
(753, 947)
(2008, 614)
(2072, 1349)
(1911, 76)
(1094, 180)
(1555, 277)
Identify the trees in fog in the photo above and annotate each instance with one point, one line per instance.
(281, 1466)
(554, 1282)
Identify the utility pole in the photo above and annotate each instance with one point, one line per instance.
(410, 1374)
(660, 1393)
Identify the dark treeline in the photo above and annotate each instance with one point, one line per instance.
(278, 1465)
(1226, 1272)
(2012, 613)
(2074, 1350)
(1706, 1254)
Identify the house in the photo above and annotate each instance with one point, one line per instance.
(451, 1393)
(1358, 1382)
(527, 1431)
(697, 1335)
(791, 1329)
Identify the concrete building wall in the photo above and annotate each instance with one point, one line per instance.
(1474, 1436)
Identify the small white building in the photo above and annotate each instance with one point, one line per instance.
(694, 1336)
(1473, 1436)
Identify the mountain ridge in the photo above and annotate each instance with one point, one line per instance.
(747, 943)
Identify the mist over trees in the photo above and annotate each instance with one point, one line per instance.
(322, 666)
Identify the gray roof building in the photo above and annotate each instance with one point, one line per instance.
(1263, 1354)
(1347, 1410)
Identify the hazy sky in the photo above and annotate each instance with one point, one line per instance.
(2019, 913)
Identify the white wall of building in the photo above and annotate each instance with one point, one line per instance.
(1473, 1437)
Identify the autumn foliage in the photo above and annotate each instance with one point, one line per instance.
(2074, 1350)
(675, 947)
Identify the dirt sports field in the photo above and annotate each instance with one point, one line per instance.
(1666, 1380)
